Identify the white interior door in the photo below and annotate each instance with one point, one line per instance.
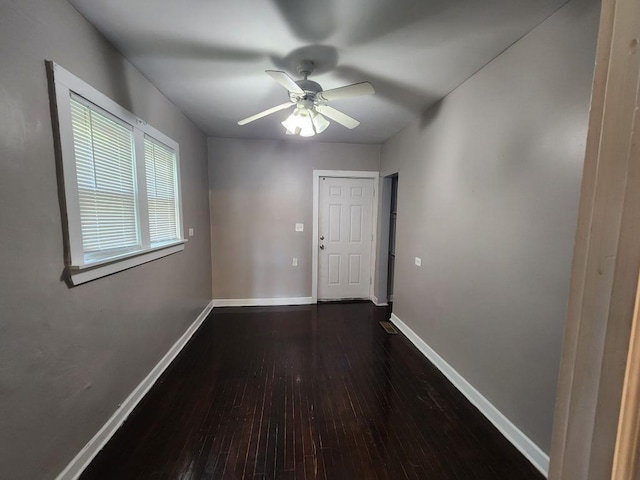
(345, 229)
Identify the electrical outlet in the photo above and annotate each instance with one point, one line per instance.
(294, 262)
(191, 232)
(299, 227)
(418, 262)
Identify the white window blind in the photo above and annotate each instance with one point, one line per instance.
(120, 182)
(162, 191)
(105, 171)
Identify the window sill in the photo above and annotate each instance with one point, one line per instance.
(86, 273)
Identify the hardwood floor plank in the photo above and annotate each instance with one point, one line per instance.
(310, 392)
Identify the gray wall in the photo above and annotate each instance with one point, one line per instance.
(68, 357)
(259, 190)
(488, 192)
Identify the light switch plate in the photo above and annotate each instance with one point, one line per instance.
(418, 261)
(299, 227)
(191, 232)
(294, 262)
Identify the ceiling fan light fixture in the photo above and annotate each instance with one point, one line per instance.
(291, 124)
(319, 122)
(300, 123)
(306, 125)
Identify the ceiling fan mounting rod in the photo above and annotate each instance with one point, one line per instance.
(305, 68)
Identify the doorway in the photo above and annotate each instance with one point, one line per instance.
(385, 269)
(344, 226)
(393, 215)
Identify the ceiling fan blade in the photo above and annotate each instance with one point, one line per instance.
(285, 80)
(337, 116)
(265, 113)
(355, 90)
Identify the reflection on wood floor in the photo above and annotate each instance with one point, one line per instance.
(305, 392)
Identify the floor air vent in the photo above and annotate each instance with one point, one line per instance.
(389, 328)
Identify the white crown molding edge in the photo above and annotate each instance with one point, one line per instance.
(524, 444)
(80, 462)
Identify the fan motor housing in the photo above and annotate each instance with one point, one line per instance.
(309, 86)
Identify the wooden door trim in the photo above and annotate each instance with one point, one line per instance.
(375, 176)
(626, 456)
(606, 259)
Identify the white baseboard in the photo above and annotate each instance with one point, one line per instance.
(530, 450)
(377, 302)
(262, 302)
(75, 468)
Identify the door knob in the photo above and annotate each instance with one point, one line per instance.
(321, 237)
(321, 247)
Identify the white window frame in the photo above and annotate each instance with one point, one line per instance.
(63, 84)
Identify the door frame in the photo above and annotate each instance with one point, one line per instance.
(606, 261)
(626, 457)
(375, 176)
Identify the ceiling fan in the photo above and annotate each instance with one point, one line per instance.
(311, 101)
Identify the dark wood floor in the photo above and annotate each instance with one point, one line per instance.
(305, 392)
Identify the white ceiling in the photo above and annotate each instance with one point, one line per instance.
(209, 56)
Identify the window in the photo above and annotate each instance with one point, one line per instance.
(105, 173)
(160, 164)
(120, 183)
